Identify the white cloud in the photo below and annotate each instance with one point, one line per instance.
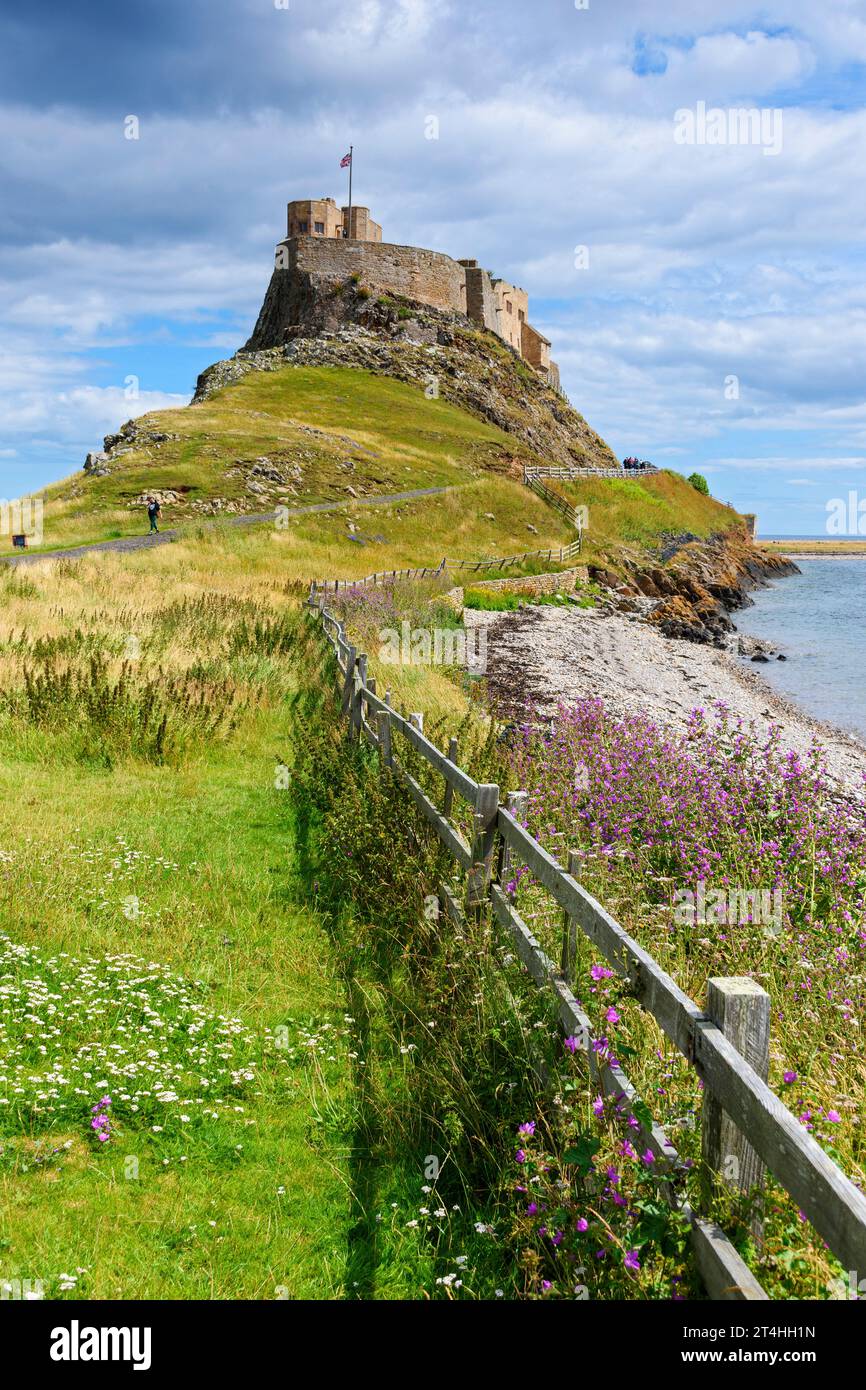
(705, 262)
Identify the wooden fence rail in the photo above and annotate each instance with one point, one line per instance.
(732, 1086)
(572, 514)
(544, 470)
(483, 566)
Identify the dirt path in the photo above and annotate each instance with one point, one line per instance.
(147, 540)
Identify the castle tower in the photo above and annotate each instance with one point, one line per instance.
(320, 217)
(362, 228)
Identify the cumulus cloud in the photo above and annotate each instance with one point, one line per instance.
(555, 132)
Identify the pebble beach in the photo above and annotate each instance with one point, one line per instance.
(549, 656)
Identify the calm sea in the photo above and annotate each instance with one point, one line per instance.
(817, 618)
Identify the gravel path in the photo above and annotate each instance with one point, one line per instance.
(547, 656)
(147, 540)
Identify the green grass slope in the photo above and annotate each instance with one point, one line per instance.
(291, 436)
(635, 514)
(299, 435)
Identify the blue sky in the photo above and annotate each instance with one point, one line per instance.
(720, 322)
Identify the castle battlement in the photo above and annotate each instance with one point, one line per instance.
(325, 244)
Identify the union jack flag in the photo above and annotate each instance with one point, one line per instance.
(345, 161)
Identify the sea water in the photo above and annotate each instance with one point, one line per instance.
(818, 619)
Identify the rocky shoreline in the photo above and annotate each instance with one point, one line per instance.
(695, 584)
(542, 657)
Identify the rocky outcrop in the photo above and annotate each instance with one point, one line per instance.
(440, 351)
(699, 583)
(132, 435)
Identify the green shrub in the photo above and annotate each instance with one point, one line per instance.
(491, 600)
(699, 483)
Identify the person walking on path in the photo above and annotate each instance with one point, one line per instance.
(153, 511)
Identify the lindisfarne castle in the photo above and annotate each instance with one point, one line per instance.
(326, 247)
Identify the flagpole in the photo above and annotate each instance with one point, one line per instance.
(351, 167)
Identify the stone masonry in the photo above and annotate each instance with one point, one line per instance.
(320, 217)
(322, 251)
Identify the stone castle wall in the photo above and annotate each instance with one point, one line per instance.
(428, 276)
(308, 266)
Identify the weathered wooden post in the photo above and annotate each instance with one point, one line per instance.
(352, 731)
(361, 686)
(570, 927)
(357, 709)
(348, 682)
(740, 1008)
(448, 803)
(481, 872)
(515, 804)
(371, 687)
(383, 722)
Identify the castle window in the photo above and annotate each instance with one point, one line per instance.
(302, 226)
(521, 316)
(320, 228)
(509, 306)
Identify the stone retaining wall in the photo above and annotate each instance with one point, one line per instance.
(563, 583)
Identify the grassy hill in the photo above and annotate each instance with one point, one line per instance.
(638, 511)
(292, 436)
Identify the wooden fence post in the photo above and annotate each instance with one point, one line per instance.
(383, 720)
(570, 932)
(515, 803)
(740, 1008)
(481, 872)
(371, 686)
(448, 802)
(349, 682)
(362, 682)
(357, 711)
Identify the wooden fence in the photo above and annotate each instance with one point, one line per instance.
(740, 1112)
(573, 515)
(566, 474)
(561, 556)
